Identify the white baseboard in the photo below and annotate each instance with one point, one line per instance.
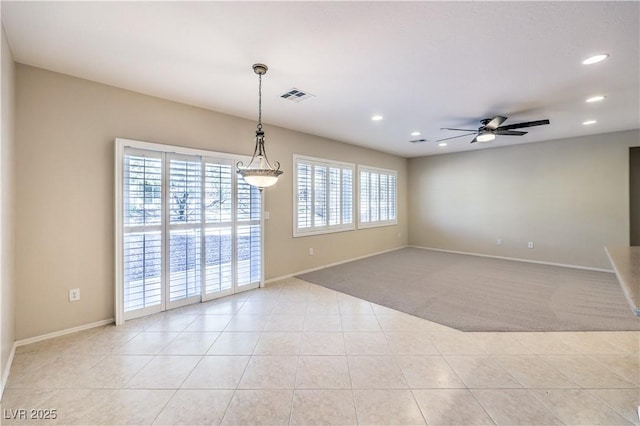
(284, 277)
(7, 369)
(517, 259)
(63, 332)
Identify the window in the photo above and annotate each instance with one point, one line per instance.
(323, 190)
(188, 228)
(377, 192)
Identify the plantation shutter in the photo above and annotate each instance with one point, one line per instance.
(320, 196)
(304, 195)
(185, 221)
(249, 239)
(218, 204)
(377, 191)
(142, 233)
(347, 196)
(364, 196)
(324, 196)
(392, 197)
(335, 204)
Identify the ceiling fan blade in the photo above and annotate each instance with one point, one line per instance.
(495, 122)
(509, 133)
(418, 140)
(474, 140)
(462, 130)
(454, 137)
(526, 124)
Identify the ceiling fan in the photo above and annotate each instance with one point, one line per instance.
(490, 127)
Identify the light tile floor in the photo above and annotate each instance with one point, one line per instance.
(296, 353)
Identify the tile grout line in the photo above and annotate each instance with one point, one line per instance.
(636, 411)
(175, 392)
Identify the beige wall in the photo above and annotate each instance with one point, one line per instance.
(634, 184)
(570, 197)
(65, 189)
(7, 204)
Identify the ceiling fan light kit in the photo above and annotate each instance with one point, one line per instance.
(485, 137)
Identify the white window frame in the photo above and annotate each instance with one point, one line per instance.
(120, 145)
(378, 223)
(324, 229)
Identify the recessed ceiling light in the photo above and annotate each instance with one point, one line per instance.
(376, 118)
(415, 134)
(442, 144)
(595, 98)
(595, 59)
(588, 122)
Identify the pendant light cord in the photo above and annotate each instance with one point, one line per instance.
(259, 102)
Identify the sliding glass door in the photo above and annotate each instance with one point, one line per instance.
(190, 230)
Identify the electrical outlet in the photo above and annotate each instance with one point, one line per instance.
(530, 244)
(74, 295)
(499, 242)
(310, 251)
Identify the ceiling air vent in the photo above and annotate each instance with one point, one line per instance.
(297, 95)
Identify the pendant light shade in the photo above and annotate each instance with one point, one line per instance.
(259, 172)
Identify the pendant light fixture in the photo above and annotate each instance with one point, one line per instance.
(259, 172)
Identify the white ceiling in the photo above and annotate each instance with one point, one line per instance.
(422, 65)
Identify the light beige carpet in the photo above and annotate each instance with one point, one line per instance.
(472, 293)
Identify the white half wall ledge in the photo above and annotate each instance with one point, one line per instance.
(626, 263)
